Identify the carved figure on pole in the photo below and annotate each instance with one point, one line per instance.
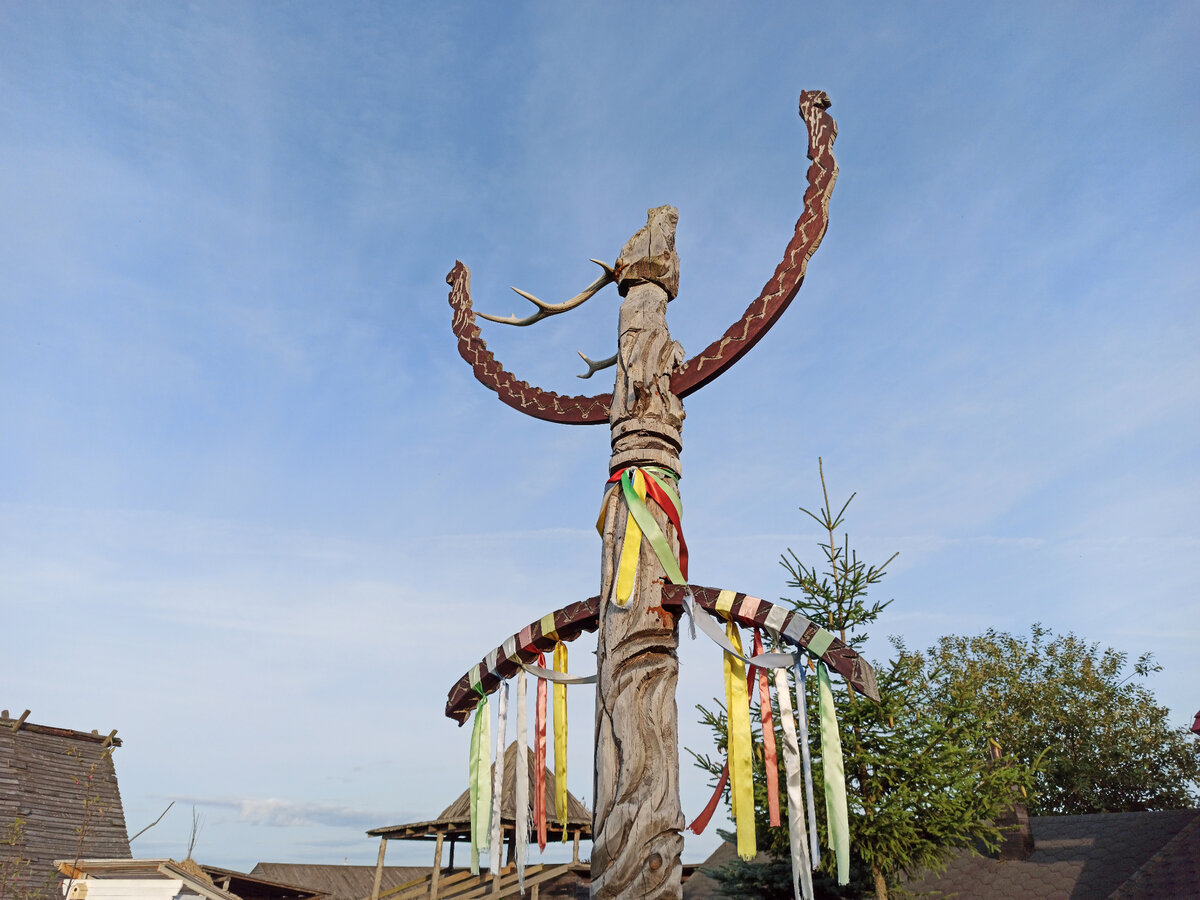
(637, 819)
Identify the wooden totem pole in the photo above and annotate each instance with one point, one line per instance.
(637, 819)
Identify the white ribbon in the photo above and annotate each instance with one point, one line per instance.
(559, 677)
(802, 710)
(797, 828)
(521, 792)
(498, 780)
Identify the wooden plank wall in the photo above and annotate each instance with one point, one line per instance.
(46, 792)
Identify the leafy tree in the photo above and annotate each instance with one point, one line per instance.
(1096, 736)
(918, 786)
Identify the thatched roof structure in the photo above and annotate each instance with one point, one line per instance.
(455, 820)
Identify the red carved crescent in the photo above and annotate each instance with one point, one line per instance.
(702, 368)
(571, 621)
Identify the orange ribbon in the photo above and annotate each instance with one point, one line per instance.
(768, 730)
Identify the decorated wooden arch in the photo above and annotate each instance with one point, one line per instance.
(569, 622)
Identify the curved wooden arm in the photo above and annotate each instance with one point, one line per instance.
(519, 395)
(777, 293)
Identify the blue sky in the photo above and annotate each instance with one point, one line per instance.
(256, 513)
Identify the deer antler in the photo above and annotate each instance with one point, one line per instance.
(545, 310)
(595, 366)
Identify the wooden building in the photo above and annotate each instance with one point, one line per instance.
(58, 800)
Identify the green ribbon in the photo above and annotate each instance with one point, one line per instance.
(480, 779)
(837, 816)
(658, 541)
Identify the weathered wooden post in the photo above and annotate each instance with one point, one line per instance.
(637, 829)
(637, 821)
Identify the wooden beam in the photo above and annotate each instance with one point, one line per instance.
(437, 866)
(575, 849)
(16, 726)
(379, 869)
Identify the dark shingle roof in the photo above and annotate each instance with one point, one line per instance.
(54, 782)
(339, 882)
(1174, 871)
(1128, 855)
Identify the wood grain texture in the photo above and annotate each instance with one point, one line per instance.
(637, 820)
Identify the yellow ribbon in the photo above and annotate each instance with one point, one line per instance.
(741, 769)
(560, 739)
(627, 571)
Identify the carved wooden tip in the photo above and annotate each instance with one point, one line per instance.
(819, 99)
(649, 256)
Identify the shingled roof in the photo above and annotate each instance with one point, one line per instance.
(339, 882)
(1132, 856)
(58, 800)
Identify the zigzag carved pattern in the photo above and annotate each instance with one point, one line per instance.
(519, 395)
(779, 292)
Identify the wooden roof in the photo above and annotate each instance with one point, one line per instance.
(455, 820)
(256, 887)
(54, 782)
(1144, 855)
(338, 882)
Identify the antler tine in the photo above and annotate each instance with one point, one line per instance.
(545, 310)
(595, 366)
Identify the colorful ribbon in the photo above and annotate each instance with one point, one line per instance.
(797, 828)
(814, 845)
(539, 760)
(836, 814)
(770, 757)
(496, 843)
(480, 779)
(635, 485)
(521, 788)
(699, 615)
(560, 740)
(741, 768)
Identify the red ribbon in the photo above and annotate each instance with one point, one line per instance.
(539, 759)
(663, 499)
(768, 731)
(701, 821)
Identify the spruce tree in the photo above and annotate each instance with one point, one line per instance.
(917, 785)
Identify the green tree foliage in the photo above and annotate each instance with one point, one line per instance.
(918, 785)
(1080, 716)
